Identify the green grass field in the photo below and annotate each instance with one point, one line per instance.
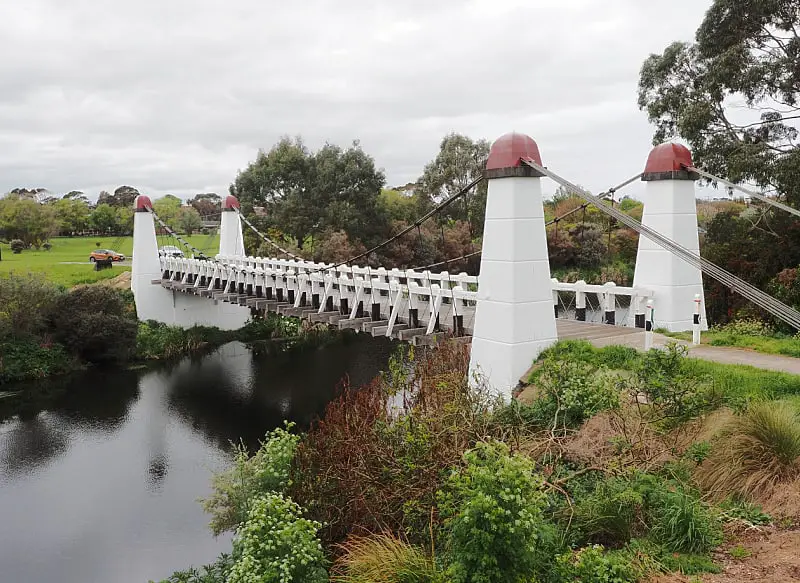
(67, 262)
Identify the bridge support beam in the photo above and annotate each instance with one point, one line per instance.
(670, 207)
(514, 319)
(231, 240)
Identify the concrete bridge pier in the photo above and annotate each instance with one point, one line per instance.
(514, 320)
(670, 207)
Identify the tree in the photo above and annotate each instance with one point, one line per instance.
(188, 220)
(308, 193)
(124, 196)
(746, 53)
(72, 214)
(104, 218)
(167, 208)
(207, 204)
(460, 161)
(27, 220)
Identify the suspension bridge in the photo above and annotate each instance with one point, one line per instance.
(509, 313)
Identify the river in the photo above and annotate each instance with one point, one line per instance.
(101, 484)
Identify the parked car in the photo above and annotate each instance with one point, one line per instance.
(170, 251)
(105, 255)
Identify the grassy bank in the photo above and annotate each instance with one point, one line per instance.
(618, 467)
(67, 262)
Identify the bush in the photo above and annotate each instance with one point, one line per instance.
(94, 324)
(23, 360)
(612, 514)
(572, 392)
(25, 301)
(492, 508)
(593, 565)
(157, 341)
(385, 559)
(379, 455)
(746, 327)
(682, 523)
(277, 545)
(216, 572)
(758, 451)
(17, 246)
(268, 471)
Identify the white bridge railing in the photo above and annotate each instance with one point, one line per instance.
(425, 301)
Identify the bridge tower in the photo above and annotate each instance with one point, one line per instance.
(153, 302)
(514, 319)
(231, 241)
(670, 208)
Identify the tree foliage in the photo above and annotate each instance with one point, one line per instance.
(26, 219)
(188, 220)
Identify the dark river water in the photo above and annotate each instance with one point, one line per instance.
(101, 484)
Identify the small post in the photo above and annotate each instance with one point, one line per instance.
(638, 312)
(648, 329)
(555, 295)
(696, 321)
(611, 306)
(580, 301)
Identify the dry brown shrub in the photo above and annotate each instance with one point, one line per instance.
(376, 459)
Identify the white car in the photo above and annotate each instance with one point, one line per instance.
(170, 251)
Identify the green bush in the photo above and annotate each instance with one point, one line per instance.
(94, 323)
(25, 301)
(571, 392)
(682, 523)
(612, 514)
(268, 471)
(157, 341)
(216, 572)
(17, 246)
(492, 509)
(593, 565)
(24, 360)
(277, 545)
(746, 327)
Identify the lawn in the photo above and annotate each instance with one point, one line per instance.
(67, 262)
(777, 344)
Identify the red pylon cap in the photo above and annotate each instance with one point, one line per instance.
(230, 202)
(668, 158)
(507, 151)
(143, 202)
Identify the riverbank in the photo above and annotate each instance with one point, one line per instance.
(612, 466)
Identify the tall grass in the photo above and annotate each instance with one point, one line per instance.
(384, 558)
(757, 451)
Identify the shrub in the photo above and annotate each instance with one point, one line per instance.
(746, 327)
(377, 458)
(216, 572)
(682, 523)
(94, 324)
(47, 246)
(492, 508)
(384, 558)
(157, 341)
(758, 451)
(25, 301)
(572, 392)
(612, 514)
(23, 360)
(267, 471)
(593, 565)
(17, 246)
(277, 545)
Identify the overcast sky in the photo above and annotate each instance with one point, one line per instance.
(178, 95)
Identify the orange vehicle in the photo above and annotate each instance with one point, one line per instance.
(104, 255)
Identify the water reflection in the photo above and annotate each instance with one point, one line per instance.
(99, 473)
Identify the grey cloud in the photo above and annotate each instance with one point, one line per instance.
(177, 96)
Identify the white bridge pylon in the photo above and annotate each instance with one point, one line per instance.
(508, 311)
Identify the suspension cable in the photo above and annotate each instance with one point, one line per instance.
(172, 233)
(747, 191)
(438, 208)
(267, 239)
(602, 196)
(755, 295)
